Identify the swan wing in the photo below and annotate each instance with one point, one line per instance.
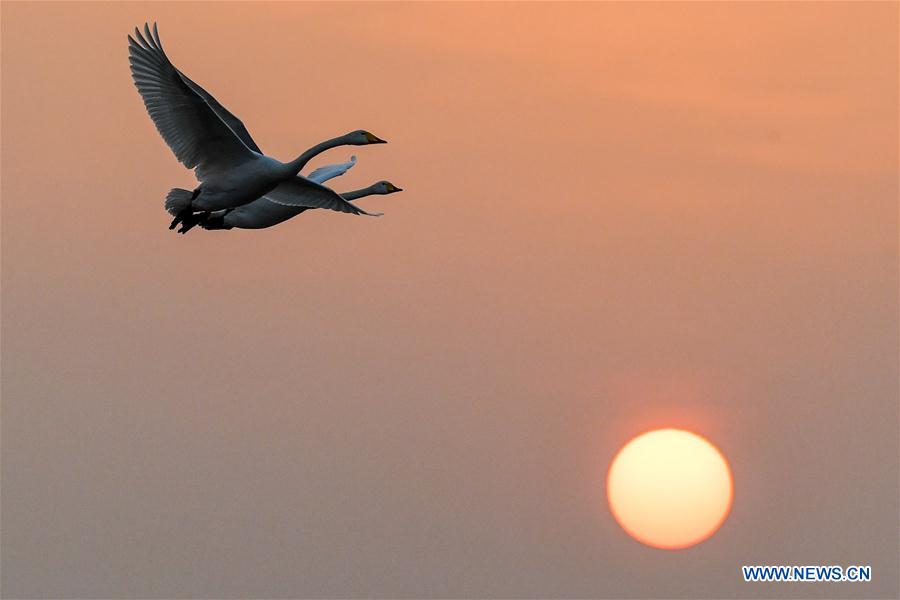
(323, 174)
(196, 134)
(301, 192)
(235, 124)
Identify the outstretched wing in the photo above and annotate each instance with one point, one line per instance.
(235, 124)
(301, 192)
(323, 174)
(192, 129)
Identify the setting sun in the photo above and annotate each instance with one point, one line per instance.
(669, 488)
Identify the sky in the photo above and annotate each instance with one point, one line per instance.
(615, 217)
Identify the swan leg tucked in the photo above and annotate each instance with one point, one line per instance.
(191, 220)
(179, 218)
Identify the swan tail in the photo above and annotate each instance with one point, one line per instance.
(177, 200)
(178, 203)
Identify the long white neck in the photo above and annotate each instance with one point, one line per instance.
(296, 165)
(358, 193)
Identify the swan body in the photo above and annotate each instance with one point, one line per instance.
(244, 183)
(263, 213)
(206, 137)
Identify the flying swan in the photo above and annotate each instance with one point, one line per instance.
(261, 214)
(206, 137)
(264, 212)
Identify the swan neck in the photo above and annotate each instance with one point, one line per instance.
(357, 194)
(296, 165)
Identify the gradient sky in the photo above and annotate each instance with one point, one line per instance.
(616, 218)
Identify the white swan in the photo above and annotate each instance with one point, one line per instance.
(206, 137)
(263, 213)
(262, 210)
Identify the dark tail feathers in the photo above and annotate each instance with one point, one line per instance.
(178, 200)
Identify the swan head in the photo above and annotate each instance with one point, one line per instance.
(384, 188)
(361, 137)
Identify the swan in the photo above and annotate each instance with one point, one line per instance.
(264, 206)
(206, 137)
(264, 213)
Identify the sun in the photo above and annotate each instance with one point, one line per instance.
(670, 488)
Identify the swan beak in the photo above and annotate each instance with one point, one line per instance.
(374, 139)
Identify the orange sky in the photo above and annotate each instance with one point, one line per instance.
(617, 217)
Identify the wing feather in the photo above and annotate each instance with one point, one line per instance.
(235, 124)
(301, 192)
(198, 137)
(323, 174)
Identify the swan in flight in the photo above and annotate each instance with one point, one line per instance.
(264, 213)
(206, 137)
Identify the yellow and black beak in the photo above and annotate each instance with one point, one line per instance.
(374, 139)
(393, 188)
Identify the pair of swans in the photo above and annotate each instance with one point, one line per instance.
(232, 170)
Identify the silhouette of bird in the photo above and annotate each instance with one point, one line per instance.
(206, 137)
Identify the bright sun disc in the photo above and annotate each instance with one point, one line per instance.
(669, 488)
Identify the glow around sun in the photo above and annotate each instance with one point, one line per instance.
(670, 488)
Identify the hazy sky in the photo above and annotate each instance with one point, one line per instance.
(616, 217)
